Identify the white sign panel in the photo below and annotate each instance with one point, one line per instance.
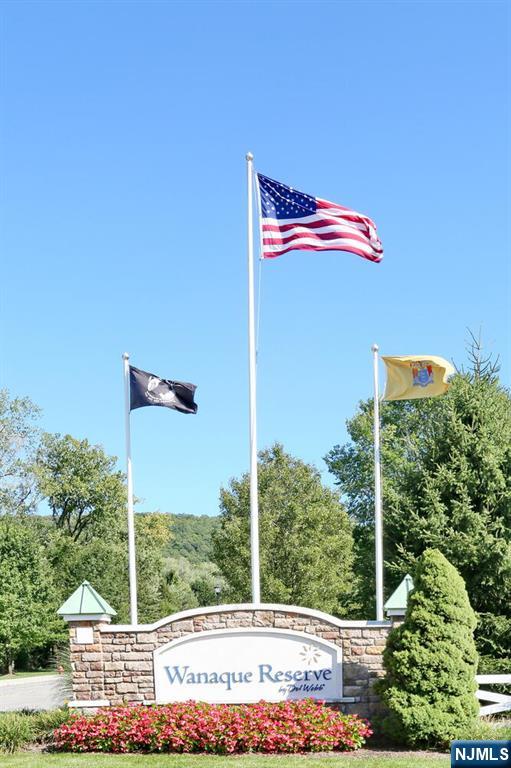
(237, 666)
(84, 635)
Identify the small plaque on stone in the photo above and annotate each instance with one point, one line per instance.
(84, 635)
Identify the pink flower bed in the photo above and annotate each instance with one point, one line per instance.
(289, 726)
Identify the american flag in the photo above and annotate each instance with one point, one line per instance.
(292, 220)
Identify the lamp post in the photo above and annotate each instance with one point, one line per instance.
(218, 592)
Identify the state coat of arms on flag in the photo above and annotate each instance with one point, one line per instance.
(422, 374)
(411, 377)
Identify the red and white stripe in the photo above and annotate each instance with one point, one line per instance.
(331, 228)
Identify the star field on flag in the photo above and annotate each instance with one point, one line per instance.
(292, 220)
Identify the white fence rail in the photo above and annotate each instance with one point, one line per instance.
(502, 701)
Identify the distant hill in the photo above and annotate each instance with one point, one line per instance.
(192, 537)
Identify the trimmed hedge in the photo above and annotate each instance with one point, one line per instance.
(289, 726)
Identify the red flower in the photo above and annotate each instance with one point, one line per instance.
(289, 726)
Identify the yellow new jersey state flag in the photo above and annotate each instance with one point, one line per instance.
(413, 376)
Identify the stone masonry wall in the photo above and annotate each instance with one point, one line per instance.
(118, 666)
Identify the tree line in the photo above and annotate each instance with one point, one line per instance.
(446, 485)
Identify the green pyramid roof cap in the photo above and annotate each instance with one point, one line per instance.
(86, 601)
(399, 598)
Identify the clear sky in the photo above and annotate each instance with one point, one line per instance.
(124, 132)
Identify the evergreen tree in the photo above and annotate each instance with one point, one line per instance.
(430, 660)
(461, 502)
(404, 427)
(305, 537)
(446, 466)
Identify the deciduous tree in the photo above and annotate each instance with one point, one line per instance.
(87, 496)
(18, 440)
(28, 597)
(84, 490)
(305, 537)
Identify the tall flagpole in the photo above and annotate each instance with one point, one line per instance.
(129, 475)
(254, 504)
(378, 529)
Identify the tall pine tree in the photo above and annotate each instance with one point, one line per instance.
(446, 466)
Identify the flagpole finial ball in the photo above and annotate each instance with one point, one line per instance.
(125, 356)
(249, 156)
(375, 348)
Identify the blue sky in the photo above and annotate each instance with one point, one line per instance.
(124, 132)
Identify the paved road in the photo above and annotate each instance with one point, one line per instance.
(44, 692)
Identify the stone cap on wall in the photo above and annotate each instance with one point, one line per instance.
(85, 604)
(204, 611)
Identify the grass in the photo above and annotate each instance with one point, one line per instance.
(361, 759)
(20, 675)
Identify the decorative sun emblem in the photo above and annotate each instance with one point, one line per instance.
(310, 655)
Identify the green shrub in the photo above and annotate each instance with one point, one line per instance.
(430, 660)
(16, 731)
(45, 722)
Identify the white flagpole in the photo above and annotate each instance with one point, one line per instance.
(129, 475)
(378, 530)
(254, 505)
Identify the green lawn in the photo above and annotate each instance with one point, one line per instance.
(19, 675)
(362, 759)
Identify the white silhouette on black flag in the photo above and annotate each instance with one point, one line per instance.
(148, 389)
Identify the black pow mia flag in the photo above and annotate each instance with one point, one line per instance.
(148, 389)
